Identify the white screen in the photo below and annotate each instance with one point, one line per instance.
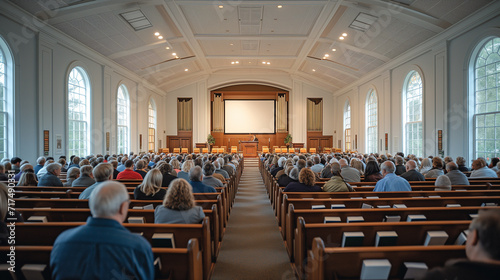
(249, 116)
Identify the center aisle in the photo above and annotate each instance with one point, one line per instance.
(252, 247)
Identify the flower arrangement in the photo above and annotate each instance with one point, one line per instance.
(210, 139)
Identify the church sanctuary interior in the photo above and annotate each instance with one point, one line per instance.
(248, 89)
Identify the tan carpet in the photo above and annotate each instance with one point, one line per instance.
(252, 247)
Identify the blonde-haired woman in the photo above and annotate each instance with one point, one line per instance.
(186, 166)
(151, 187)
(179, 206)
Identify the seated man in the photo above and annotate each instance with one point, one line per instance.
(103, 248)
(481, 170)
(128, 172)
(102, 172)
(412, 174)
(86, 178)
(391, 182)
(482, 249)
(50, 179)
(456, 176)
(195, 181)
(208, 178)
(349, 174)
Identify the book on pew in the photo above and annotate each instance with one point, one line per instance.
(41, 208)
(484, 204)
(355, 219)
(462, 238)
(148, 207)
(372, 197)
(473, 216)
(392, 218)
(436, 237)
(331, 220)
(434, 196)
(164, 240)
(386, 238)
(34, 271)
(136, 220)
(383, 206)
(356, 197)
(367, 206)
(5, 273)
(138, 208)
(37, 219)
(416, 218)
(352, 239)
(453, 205)
(414, 270)
(316, 207)
(375, 269)
(399, 206)
(337, 206)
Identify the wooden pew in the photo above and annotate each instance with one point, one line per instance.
(413, 233)
(176, 264)
(346, 263)
(46, 234)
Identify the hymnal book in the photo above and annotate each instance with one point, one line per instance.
(41, 208)
(366, 206)
(375, 269)
(383, 206)
(352, 239)
(415, 218)
(337, 206)
(462, 238)
(372, 197)
(473, 216)
(395, 218)
(37, 219)
(138, 208)
(399, 206)
(356, 197)
(331, 220)
(136, 220)
(436, 237)
(434, 196)
(489, 204)
(148, 207)
(34, 271)
(414, 270)
(316, 207)
(55, 198)
(164, 240)
(386, 238)
(453, 205)
(5, 273)
(355, 219)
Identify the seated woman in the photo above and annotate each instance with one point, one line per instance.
(179, 206)
(28, 178)
(437, 168)
(140, 167)
(442, 183)
(166, 171)
(151, 187)
(372, 173)
(336, 182)
(306, 182)
(461, 164)
(186, 166)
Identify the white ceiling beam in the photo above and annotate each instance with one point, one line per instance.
(336, 67)
(183, 26)
(317, 81)
(322, 22)
(345, 46)
(164, 66)
(147, 47)
(251, 2)
(401, 12)
(216, 37)
(251, 57)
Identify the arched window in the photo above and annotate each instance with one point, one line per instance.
(151, 125)
(371, 122)
(6, 100)
(412, 108)
(78, 112)
(486, 92)
(123, 121)
(347, 126)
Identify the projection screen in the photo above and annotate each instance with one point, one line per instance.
(249, 116)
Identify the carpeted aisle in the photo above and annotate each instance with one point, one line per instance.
(252, 247)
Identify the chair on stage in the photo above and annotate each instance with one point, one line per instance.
(204, 150)
(177, 150)
(196, 150)
(312, 150)
(165, 150)
(185, 150)
(265, 149)
(234, 149)
(303, 150)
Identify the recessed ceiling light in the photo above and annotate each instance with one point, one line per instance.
(280, 6)
(327, 55)
(263, 62)
(324, 57)
(314, 70)
(232, 62)
(268, 63)
(220, 6)
(334, 50)
(237, 62)
(157, 33)
(160, 37)
(186, 70)
(176, 57)
(231, 44)
(167, 48)
(344, 34)
(174, 54)
(341, 38)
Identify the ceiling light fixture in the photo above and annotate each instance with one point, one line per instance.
(268, 63)
(232, 62)
(220, 6)
(334, 50)
(341, 38)
(237, 62)
(314, 70)
(174, 54)
(160, 37)
(263, 62)
(280, 6)
(344, 34)
(167, 48)
(157, 33)
(327, 55)
(185, 70)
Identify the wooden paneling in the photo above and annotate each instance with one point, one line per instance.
(184, 139)
(316, 139)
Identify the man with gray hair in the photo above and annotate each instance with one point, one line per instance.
(102, 172)
(86, 178)
(391, 182)
(411, 173)
(456, 176)
(318, 166)
(50, 179)
(349, 174)
(73, 174)
(103, 248)
(208, 178)
(39, 164)
(195, 181)
(220, 171)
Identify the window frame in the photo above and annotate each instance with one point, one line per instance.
(152, 136)
(406, 122)
(9, 99)
(347, 130)
(371, 92)
(124, 90)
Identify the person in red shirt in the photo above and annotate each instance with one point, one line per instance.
(129, 172)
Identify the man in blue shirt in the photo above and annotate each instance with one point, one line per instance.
(391, 182)
(195, 181)
(103, 248)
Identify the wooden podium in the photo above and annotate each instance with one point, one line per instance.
(249, 148)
